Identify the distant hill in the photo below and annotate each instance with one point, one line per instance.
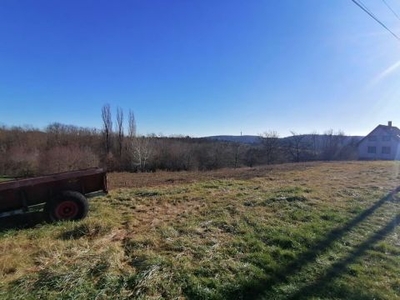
(255, 139)
(244, 139)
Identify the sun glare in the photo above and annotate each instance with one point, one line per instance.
(387, 72)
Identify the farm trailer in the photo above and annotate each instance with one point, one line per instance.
(62, 196)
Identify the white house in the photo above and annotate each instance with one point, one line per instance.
(381, 143)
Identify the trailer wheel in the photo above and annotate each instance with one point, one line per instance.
(68, 205)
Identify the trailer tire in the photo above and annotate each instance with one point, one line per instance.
(67, 206)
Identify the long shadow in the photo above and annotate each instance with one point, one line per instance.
(333, 236)
(340, 266)
(255, 290)
(23, 221)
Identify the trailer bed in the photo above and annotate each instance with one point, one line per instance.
(20, 194)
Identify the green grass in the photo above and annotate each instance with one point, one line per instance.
(3, 179)
(312, 231)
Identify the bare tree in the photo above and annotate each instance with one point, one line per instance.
(332, 144)
(237, 149)
(251, 156)
(131, 125)
(120, 130)
(107, 127)
(141, 152)
(315, 145)
(296, 146)
(270, 145)
(22, 161)
(67, 158)
(54, 132)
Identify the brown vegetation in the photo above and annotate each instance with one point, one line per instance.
(27, 151)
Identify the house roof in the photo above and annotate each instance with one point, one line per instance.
(392, 130)
(388, 130)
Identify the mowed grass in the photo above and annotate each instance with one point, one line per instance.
(300, 231)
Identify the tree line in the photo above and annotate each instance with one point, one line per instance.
(28, 151)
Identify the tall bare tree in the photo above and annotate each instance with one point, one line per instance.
(120, 130)
(131, 125)
(107, 127)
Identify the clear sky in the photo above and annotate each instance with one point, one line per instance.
(201, 67)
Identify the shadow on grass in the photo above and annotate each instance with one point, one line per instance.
(23, 221)
(257, 289)
(339, 267)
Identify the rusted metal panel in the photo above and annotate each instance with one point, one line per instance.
(13, 184)
(17, 194)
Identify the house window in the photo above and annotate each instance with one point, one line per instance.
(371, 149)
(386, 138)
(385, 150)
(372, 138)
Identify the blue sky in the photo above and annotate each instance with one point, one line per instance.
(201, 68)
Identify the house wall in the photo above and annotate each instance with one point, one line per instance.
(379, 143)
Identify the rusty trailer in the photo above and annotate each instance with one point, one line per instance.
(63, 196)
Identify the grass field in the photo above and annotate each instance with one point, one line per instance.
(296, 231)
